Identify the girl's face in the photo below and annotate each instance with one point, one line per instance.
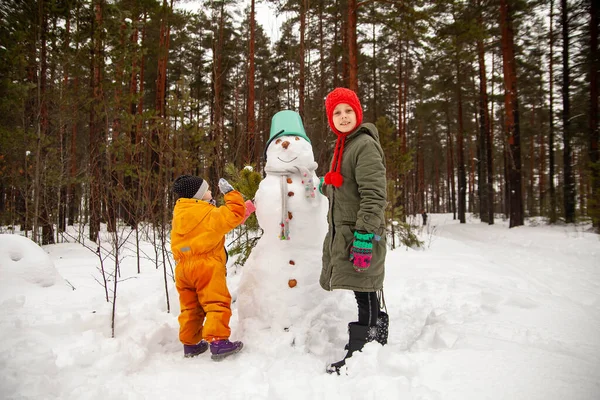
(207, 196)
(344, 118)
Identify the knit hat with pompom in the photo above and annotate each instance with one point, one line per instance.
(338, 96)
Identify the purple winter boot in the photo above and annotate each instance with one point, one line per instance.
(192, 350)
(224, 348)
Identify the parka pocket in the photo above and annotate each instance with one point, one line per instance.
(342, 244)
(343, 248)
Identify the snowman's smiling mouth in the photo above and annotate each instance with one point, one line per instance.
(287, 162)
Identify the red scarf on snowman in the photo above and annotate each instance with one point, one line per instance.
(338, 96)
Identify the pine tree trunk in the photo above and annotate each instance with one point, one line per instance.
(486, 206)
(511, 104)
(73, 198)
(140, 105)
(542, 171)
(374, 107)
(462, 179)
(252, 153)
(321, 154)
(96, 124)
(594, 154)
(472, 168)
(166, 158)
(216, 137)
(420, 170)
(301, 56)
(583, 194)
(506, 188)
(41, 214)
(37, 183)
(401, 132)
(490, 146)
(352, 42)
(64, 109)
(436, 186)
(130, 180)
(553, 208)
(569, 180)
(337, 35)
(160, 125)
(450, 162)
(401, 135)
(530, 189)
(116, 208)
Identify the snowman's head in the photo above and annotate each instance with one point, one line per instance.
(288, 144)
(289, 151)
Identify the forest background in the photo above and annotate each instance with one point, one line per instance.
(483, 106)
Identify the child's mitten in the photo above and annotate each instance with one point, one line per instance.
(362, 250)
(224, 186)
(250, 208)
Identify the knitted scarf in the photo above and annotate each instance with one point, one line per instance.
(334, 176)
(309, 190)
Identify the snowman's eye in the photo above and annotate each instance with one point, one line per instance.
(297, 138)
(278, 141)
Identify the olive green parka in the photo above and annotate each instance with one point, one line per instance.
(358, 204)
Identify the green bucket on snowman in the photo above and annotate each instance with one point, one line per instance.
(286, 123)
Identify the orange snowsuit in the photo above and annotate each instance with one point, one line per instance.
(198, 246)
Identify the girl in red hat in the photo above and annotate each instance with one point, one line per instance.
(355, 246)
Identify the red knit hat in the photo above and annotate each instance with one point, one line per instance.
(338, 96)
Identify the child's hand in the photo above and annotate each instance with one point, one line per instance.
(224, 186)
(250, 208)
(362, 250)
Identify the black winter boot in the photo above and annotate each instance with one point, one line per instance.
(358, 337)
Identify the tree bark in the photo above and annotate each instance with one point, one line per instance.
(542, 169)
(450, 162)
(302, 74)
(485, 135)
(569, 180)
(158, 131)
(252, 153)
(42, 127)
(553, 208)
(530, 190)
(511, 104)
(97, 138)
(593, 151)
(216, 136)
(460, 159)
(321, 154)
(352, 42)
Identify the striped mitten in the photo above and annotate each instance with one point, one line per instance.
(362, 250)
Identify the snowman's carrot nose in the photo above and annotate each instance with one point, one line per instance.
(285, 144)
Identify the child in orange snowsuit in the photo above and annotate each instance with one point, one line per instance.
(198, 246)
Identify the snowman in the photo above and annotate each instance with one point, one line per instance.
(279, 292)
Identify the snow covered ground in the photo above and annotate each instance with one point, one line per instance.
(482, 312)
